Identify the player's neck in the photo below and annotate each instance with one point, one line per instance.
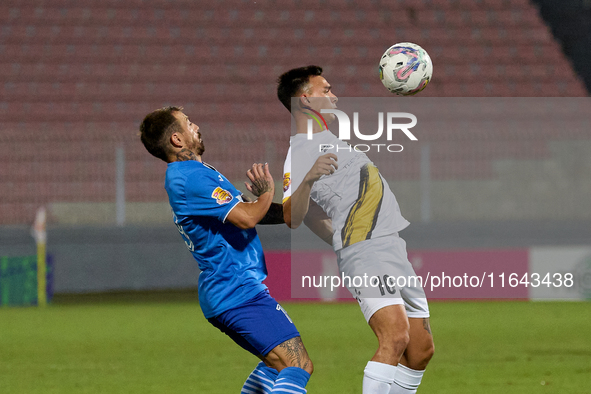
(302, 124)
(186, 155)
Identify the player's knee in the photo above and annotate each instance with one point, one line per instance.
(428, 352)
(395, 342)
(402, 338)
(291, 353)
(304, 362)
(308, 366)
(419, 360)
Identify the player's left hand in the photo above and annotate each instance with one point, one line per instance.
(260, 178)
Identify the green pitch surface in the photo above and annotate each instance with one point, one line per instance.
(483, 347)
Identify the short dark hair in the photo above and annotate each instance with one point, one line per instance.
(156, 129)
(292, 82)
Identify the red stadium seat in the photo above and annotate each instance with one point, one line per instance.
(455, 18)
(517, 4)
(479, 17)
(494, 4)
(467, 5)
(430, 17)
(442, 4)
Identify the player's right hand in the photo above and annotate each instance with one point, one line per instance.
(324, 165)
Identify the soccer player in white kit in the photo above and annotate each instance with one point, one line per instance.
(343, 199)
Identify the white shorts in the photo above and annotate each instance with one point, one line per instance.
(381, 275)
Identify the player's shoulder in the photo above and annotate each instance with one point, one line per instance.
(190, 175)
(186, 169)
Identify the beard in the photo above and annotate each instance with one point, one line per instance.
(199, 145)
(200, 148)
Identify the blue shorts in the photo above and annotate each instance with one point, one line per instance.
(258, 325)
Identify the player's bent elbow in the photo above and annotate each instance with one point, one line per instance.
(292, 225)
(243, 226)
(287, 218)
(246, 224)
(242, 222)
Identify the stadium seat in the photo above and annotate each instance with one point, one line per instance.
(494, 4)
(428, 18)
(468, 5)
(456, 18)
(520, 4)
(479, 17)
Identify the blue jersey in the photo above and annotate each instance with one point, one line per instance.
(231, 260)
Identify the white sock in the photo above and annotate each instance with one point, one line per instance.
(378, 377)
(406, 380)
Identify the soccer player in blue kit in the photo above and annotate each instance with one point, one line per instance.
(217, 224)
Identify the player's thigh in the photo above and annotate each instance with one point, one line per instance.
(390, 324)
(291, 353)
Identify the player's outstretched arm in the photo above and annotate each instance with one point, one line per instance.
(247, 214)
(296, 207)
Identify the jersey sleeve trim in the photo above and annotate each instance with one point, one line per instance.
(230, 210)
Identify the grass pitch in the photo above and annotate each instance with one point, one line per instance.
(481, 347)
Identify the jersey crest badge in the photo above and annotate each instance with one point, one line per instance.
(286, 181)
(221, 196)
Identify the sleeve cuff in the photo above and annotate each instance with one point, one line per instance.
(230, 210)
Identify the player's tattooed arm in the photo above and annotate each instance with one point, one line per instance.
(185, 155)
(274, 215)
(426, 325)
(295, 352)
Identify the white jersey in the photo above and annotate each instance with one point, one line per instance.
(356, 197)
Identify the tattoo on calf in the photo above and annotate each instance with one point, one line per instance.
(426, 325)
(296, 352)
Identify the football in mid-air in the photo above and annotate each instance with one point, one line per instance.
(405, 69)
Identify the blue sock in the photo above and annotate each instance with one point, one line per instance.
(260, 381)
(291, 380)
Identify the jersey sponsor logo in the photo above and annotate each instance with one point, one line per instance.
(286, 181)
(221, 196)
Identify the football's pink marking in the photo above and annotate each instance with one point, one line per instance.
(396, 51)
(400, 72)
(421, 87)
